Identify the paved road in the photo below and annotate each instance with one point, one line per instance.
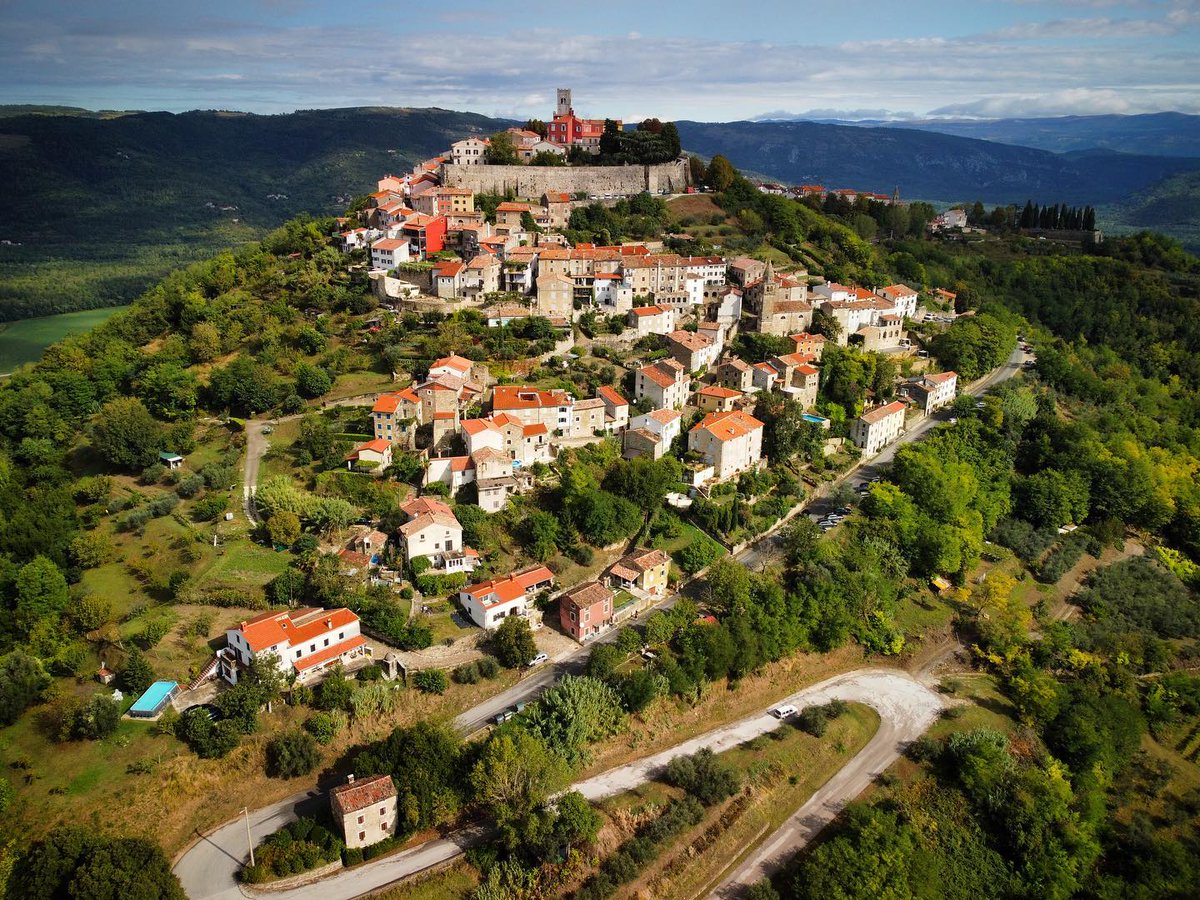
(905, 706)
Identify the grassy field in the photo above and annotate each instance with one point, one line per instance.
(455, 882)
(23, 341)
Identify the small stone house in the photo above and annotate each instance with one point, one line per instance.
(365, 809)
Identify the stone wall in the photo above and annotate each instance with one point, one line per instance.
(530, 182)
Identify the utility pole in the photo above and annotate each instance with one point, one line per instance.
(249, 839)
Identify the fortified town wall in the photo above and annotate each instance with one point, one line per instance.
(530, 182)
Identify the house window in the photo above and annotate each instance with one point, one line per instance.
(341, 634)
(312, 648)
(362, 835)
(326, 642)
(383, 826)
(297, 654)
(383, 810)
(360, 820)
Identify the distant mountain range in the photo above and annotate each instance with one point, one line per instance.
(926, 164)
(103, 203)
(1151, 134)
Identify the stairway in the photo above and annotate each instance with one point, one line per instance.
(206, 673)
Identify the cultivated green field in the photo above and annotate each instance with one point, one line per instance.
(23, 342)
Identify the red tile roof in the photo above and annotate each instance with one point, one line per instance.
(510, 587)
(877, 415)
(508, 396)
(715, 390)
(361, 794)
(293, 626)
(726, 426)
(612, 396)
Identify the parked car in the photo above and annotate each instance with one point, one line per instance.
(502, 717)
(782, 712)
(539, 659)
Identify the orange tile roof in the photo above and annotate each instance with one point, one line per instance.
(612, 396)
(882, 412)
(893, 291)
(425, 506)
(531, 430)
(690, 340)
(453, 361)
(726, 426)
(360, 794)
(715, 390)
(294, 626)
(665, 416)
(647, 310)
(509, 587)
(389, 244)
(941, 377)
(506, 397)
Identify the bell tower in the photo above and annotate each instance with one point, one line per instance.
(564, 102)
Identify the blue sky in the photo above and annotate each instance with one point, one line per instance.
(702, 59)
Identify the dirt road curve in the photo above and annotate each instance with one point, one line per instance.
(905, 706)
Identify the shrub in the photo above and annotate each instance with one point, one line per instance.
(210, 507)
(812, 719)
(292, 754)
(190, 485)
(352, 856)
(323, 726)
(431, 681)
(334, 692)
(704, 776)
(489, 666)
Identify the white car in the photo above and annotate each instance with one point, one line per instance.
(782, 712)
(539, 659)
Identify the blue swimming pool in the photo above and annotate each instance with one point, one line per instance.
(157, 696)
(816, 420)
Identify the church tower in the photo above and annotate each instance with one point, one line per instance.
(564, 102)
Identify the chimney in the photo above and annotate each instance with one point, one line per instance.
(329, 623)
(349, 779)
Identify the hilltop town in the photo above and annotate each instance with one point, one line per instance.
(459, 506)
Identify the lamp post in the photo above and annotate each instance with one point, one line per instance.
(249, 839)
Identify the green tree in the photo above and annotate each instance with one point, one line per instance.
(538, 533)
(292, 754)
(500, 151)
(334, 692)
(22, 681)
(80, 863)
(284, 528)
(512, 643)
(513, 776)
(41, 593)
(574, 713)
(720, 174)
(125, 435)
(312, 381)
(136, 674)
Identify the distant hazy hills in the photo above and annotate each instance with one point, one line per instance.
(1152, 134)
(928, 164)
(103, 203)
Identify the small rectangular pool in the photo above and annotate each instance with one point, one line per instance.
(816, 420)
(151, 703)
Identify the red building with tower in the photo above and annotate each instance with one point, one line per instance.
(566, 129)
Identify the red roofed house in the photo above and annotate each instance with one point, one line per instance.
(505, 433)
(692, 349)
(426, 235)
(715, 398)
(447, 279)
(665, 382)
(652, 433)
(730, 442)
(902, 297)
(433, 532)
(396, 416)
(490, 602)
(510, 213)
(375, 455)
(566, 129)
(931, 392)
(810, 344)
(616, 409)
(643, 570)
(736, 374)
(365, 808)
(874, 430)
(389, 253)
(535, 407)
(558, 208)
(586, 610)
(304, 641)
(456, 365)
(652, 320)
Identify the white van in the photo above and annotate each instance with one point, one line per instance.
(782, 712)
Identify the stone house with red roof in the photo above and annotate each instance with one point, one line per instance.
(875, 429)
(396, 416)
(665, 383)
(365, 809)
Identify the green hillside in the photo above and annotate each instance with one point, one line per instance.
(97, 209)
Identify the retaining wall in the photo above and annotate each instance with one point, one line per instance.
(530, 182)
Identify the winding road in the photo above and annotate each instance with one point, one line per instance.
(906, 708)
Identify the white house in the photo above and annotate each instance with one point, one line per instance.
(665, 383)
(305, 642)
(902, 297)
(389, 253)
(652, 320)
(491, 602)
(931, 392)
(433, 532)
(468, 152)
(874, 430)
(652, 433)
(375, 454)
(730, 442)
